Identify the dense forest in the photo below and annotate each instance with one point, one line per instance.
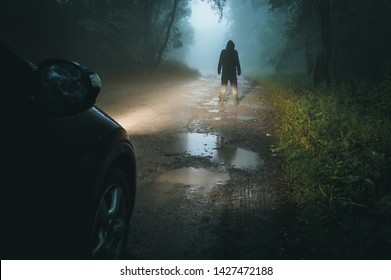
(120, 33)
(325, 63)
(117, 34)
(329, 40)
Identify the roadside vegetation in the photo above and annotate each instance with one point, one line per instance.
(335, 145)
(177, 68)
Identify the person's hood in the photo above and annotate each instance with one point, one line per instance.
(230, 45)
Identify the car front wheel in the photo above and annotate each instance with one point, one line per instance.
(112, 215)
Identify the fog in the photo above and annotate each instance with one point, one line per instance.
(336, 105)
(141, 36)
(210, 37)
(257, 34)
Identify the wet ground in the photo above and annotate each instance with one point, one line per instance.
(209, 186)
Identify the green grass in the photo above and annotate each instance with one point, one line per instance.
(335, 144)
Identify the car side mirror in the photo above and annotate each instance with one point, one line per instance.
(66, 88)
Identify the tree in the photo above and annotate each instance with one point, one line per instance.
(168, 32)
(111, 34)
(347, 37)
(310, 21)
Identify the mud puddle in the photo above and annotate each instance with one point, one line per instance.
(215, 148)
(193, 177)
(246, 118)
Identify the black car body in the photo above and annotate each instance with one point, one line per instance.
(68, 174)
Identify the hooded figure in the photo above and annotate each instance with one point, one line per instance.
(229, 63)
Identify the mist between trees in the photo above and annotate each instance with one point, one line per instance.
(329, 40)
(333, 137)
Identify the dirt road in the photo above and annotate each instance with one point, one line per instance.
(209, 185)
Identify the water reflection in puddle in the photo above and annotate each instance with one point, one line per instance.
(217, 119)
(234, 116)
(212, 102)
(215, 148)
(246, 118)
(194, 177)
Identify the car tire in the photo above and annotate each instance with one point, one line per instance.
(112, 216)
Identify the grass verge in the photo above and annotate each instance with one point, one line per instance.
(335, 144)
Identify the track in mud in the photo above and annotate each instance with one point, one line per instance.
(208, 183)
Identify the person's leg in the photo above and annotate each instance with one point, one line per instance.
(223, 90)
(234, 84)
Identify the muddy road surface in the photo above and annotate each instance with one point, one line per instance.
(209, 186)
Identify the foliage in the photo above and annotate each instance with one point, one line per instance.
(257, 50)
(109, 35)
(325, 31)
(177, 68)
(335, 145)
(218, 6)
(121, 33)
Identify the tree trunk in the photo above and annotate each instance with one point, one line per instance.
(147, 17)
(168, 32)
(309, 11)
(322, 64)
(309, 56)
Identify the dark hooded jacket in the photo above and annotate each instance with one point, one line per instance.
(229, 61)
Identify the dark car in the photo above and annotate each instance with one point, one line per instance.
(68, 171)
